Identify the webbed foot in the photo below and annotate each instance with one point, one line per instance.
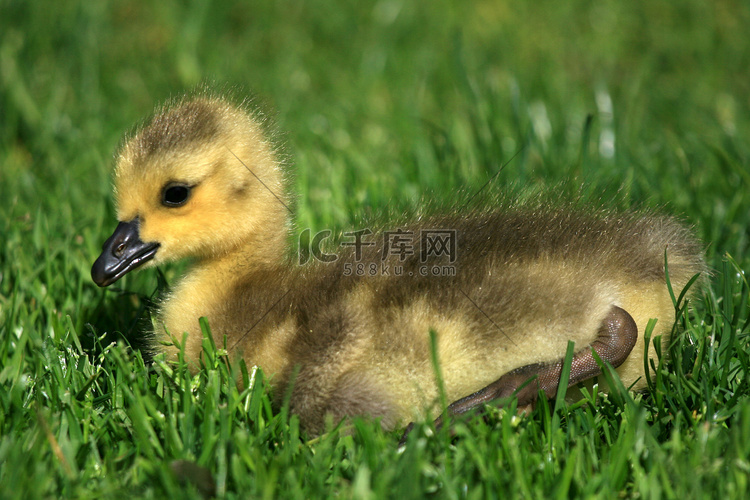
(616, 339)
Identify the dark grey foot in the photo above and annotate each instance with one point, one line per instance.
(617, 337)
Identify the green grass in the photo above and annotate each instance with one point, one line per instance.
(383, 106)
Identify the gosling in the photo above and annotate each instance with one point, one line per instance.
(350, 332)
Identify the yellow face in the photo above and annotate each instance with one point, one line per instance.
(189, 203)
(198, 181)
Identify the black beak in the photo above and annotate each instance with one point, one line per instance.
(121, 253)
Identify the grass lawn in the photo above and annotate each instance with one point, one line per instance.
(382, 106)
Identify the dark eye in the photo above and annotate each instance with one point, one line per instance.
(175, 195)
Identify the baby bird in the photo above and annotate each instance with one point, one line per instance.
(502, 291)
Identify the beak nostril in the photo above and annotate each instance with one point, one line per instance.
(119, 250)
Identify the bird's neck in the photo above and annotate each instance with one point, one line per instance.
(209, 283)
